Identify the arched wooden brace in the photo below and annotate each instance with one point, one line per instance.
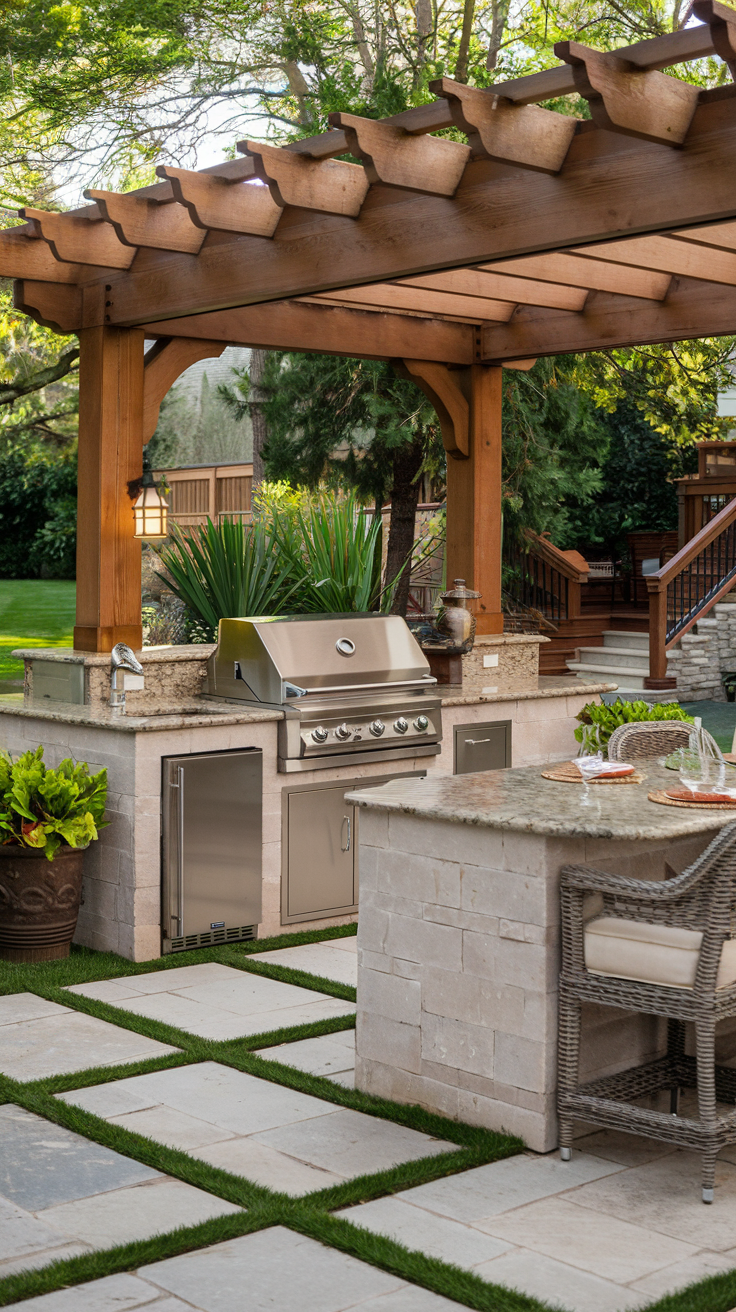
(162, 365)
(119, 398)
(468, 404)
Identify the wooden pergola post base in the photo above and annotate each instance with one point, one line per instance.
(110, 455)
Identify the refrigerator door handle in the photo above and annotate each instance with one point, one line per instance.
(345, 821)
(177, 804)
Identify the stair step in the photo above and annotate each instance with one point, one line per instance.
(616, 657)
(625, 677)
(625, 639)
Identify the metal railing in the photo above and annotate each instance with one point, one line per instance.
(540, 577)
(689, 585)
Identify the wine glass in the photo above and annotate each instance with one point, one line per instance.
(589, 758)
(690, 769)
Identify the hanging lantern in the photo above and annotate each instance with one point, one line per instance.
(151, 510)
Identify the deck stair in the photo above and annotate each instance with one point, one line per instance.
(623, 659)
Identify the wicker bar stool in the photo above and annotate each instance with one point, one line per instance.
(631, 742)
(662, 949)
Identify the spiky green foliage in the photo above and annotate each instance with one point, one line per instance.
(331, 547)
(229, 569)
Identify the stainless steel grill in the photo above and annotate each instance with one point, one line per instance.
(351, 686)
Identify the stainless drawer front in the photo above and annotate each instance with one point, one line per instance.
(482, 746)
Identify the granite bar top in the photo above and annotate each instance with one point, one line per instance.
(190, 714)
(520, 690)
(521, 801)
(198, 651)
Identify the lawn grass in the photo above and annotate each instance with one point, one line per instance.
(311, 1214)
(33, 613)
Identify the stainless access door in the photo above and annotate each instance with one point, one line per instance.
(482, 746)
(212, 846)
(321, 870)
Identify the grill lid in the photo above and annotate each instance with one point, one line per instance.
(281, 658)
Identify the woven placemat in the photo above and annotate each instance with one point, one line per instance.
(663, 800)
(567, 773)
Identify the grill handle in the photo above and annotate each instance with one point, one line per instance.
(360, 687)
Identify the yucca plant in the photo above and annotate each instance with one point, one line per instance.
(230, 569)
(332, 546)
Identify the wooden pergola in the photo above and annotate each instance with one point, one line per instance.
(541, 233)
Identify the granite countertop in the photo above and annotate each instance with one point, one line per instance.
(523, 802)
(521, 690)
(69, 656)
(187, 714)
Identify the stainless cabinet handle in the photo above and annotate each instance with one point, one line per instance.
(345, 821)
(179, 917)
(473, 742)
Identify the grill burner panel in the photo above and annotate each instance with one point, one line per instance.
(351, 687)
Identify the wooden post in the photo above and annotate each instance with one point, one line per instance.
(110, 454)
(657, 639)
(474, 493)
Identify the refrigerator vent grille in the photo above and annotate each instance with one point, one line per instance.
(236, 934)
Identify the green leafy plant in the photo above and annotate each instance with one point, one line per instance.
(230, 569)
(47, 809)
(327, 543)
(608, 718)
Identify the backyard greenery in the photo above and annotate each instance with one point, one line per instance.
(608, 718)
(303, 553)
(43, 808)
(33, 613)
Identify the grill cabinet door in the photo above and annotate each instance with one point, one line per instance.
(321, 872)
(212, 841)
(482, 746)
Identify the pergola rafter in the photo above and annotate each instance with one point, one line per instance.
(541, 232)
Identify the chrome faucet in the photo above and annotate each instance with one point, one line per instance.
(121, 658)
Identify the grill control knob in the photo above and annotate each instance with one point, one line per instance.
(319, 734)
(401, 725)
(377, 728)
(342, 732)
(421, 723)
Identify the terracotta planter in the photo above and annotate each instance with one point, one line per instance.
(39, 903)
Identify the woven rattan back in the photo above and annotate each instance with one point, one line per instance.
(631, 742)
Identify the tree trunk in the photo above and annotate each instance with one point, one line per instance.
(256, 398)
(461, 67)
(407, 462)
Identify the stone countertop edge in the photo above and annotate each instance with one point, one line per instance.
(99, 717)
(67, 655)
(195, 715)
(547, 686)
(521, 801)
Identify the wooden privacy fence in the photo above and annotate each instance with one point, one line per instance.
(203, 492)
(689, 585)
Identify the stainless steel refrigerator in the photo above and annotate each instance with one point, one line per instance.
(212, 845)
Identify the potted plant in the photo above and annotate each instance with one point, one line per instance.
(47, 819)
(608, 718)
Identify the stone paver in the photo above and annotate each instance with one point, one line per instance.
(609, 1231)
(330, 1055)
(294, 1142)
(216, 1002)
(330, 959)
(62, 1195)
(40, 1038)
(271, 1269)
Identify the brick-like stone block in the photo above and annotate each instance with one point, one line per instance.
(424, 942)
(392, 996)
(524, 1063)
(388, 1041)
(463, 1047)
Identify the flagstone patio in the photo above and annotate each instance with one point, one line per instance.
(617, 1227)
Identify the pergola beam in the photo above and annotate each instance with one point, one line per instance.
(692, 309)
(609, 188)
(330, 330)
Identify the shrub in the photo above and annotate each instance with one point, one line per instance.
(47, 809)
(608, 718)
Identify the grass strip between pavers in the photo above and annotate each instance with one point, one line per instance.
(310, 1214)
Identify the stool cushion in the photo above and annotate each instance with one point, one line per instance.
(654, 954)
